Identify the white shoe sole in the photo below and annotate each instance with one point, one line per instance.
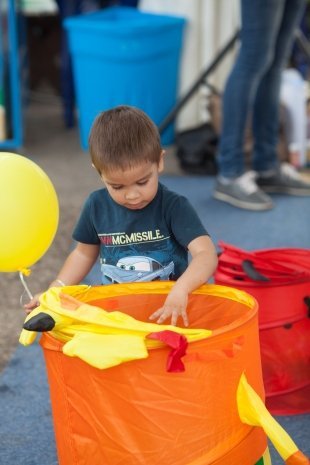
(241, 203)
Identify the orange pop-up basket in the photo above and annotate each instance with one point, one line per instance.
(137, 413)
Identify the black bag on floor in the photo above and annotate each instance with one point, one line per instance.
(196, 150)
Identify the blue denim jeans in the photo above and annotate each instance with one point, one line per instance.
(253, 87)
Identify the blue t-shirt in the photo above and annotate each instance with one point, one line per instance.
(140, 245)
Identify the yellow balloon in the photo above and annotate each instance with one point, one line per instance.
(29, 212)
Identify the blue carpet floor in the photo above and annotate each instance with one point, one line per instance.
(26, 431)
(287, 225)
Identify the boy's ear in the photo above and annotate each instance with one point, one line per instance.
(161, 161)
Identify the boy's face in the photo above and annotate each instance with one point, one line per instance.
(136, 187)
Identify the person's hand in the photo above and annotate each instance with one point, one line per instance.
(174, 307)
(33, 303)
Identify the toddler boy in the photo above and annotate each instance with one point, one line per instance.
(141, 230)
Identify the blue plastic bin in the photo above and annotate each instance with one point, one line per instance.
(123, 56)
(10, 80)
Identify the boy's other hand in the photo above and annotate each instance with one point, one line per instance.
(174, 307)
(33, 303)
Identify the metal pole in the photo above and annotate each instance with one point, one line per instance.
(173, 113)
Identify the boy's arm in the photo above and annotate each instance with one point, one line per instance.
(201, 268)
(78, 264)
(73, 271)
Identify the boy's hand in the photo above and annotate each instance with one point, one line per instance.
(33, 303)
(174, 306)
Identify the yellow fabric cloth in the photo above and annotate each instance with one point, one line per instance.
(102, 339)
(252, 411)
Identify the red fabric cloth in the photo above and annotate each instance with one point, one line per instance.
(179, 344)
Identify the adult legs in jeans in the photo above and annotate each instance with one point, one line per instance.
(266, 104)
(266, 36)
(253, 89)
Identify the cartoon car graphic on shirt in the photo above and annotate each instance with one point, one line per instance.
(137, 269)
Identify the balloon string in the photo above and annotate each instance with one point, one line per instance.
(25, 285)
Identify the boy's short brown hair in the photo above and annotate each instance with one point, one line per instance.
(123, 137)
